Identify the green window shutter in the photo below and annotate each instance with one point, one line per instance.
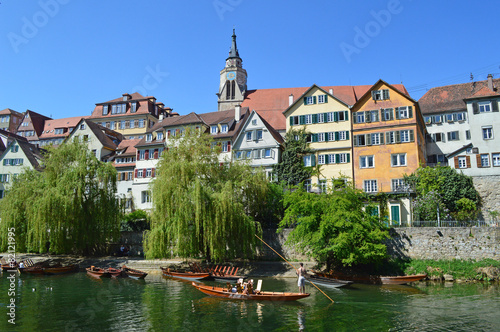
(381, 135)
(326, 98)
(337, 158)
(291, 121)
(410, 112)
(314, 99)
(412, 136)
(315, 137)
(302, 119)
(336, 135)
(385, 94)
(368, 117)
(398, 136)
(313, 160)
(305, 100)
(373, 95)
(391, 112)
(315, 118)
(355, 140)
(304, 161)
(494, 105)
(346, 115)
(368, 139)
(397, 112)
(335, 116)
(382, 114)
(347, 135)
(326, 137)
(388, 137)
(348, 155)
(354, 119)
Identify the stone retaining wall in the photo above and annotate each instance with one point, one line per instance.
(488, 188)
(436, 243)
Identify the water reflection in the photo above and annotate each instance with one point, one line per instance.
(301, 319)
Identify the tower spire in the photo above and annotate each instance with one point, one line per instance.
(233, 52)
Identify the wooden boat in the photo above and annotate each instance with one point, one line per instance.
(134, 274)
(115, 273)
(7, 266)
(98, 272)
(259, 295)
(53, 270)
(328, 282)
(219, 273)
(186, 275)
(372, 279)
(33, 270)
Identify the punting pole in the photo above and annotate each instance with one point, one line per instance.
(293, 267)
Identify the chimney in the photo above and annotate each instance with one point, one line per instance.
(126, 96)
(331, 91)
(490, 82)
(290, 99)
(237, 112)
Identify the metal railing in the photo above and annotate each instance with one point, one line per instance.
(445, 223)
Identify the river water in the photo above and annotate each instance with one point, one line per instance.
(78, 302)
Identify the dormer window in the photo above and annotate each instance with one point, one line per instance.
(310, 100)
(254, 122)
(82, 126)
(380, 94)
(149, 137)
(104, 109)
(484, 106)
(322, 99)
(159, 136)
(223, 128)
(214, 130)
(133, 107)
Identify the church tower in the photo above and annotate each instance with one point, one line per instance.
(233, 80)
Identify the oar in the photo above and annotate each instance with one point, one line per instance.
(293, 267)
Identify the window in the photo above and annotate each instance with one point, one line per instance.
(387, 114)
(214, 130)
(223, 128)
(390, 137)
(375, 138)
(249, 155)
(427, 119)
(141, 123)
(267, 153)
(322, 99)
(122, 124)
(294, 120)
(438, 118)
(485, 160)
(321, 159)
(343, 158)
(226, 146)
(308, 118)
(373, 115)
(249, 135)
(462, 162)
(239, 154)
(149, 172)
(307, 185)
(484, 106)
(360, 117)
(254, 122)
(449, 117)
(310, 100)
(398, 159)
(14, 148)
(132, 124)
(82, 126)
(398, 185)
(133, 108)
(146, 196)
(259, 135)
(360, 140)
(404, 112)
(330, 117)
(159, 136)
(467, 134)
(140, 173)
(366, 162)
(438, 137)
(342, 135)
(405, 136)
(380, 94)
(142, 154)
(321, 137)
(370, 186)
(4, 178)
(322, 185)
(331, 136)
(488, 132)
(342, 115)
(460, 116)
(309, 161)
(453, 136)
(495, 158)
(149, 137)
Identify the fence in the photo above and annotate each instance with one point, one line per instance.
(446, 223)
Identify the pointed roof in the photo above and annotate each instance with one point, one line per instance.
(10, 111)
(233, 52)
(399, 88)
(33, 153)
(484, 92)
(314, 86)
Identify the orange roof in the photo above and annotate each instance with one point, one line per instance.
(484, 92)
(50, 125)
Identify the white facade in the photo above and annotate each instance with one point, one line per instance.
(257, 145)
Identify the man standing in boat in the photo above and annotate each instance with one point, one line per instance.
(301, 273)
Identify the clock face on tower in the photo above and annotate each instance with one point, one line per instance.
(231, 75)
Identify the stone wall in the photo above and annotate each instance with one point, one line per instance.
(489, 190)
(445, 243)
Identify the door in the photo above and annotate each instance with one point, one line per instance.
(395, 216)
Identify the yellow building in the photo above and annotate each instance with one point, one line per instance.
(388, 142)
(326, 118)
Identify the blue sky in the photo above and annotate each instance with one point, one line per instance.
(60, 57)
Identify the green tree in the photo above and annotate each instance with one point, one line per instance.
(450, 184)
(466, 210)
(136, 221)
(71, 205)
(334, 228)
(291, 170)
(202, 207)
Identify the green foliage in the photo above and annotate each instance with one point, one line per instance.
(459, 269)
(449, 184)
(71, 204)
(291, 170)
(136, 221)
(467, 210)
(334, 228)
(203, 208)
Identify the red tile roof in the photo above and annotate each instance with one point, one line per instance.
(65, 123)
(451, 97)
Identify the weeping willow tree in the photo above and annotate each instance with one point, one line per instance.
(70, 206)
(202, 208)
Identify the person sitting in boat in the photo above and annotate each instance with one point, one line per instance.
(249, 287)
(239, 288)
(21, 265)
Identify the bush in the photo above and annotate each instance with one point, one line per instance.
(137, 221)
